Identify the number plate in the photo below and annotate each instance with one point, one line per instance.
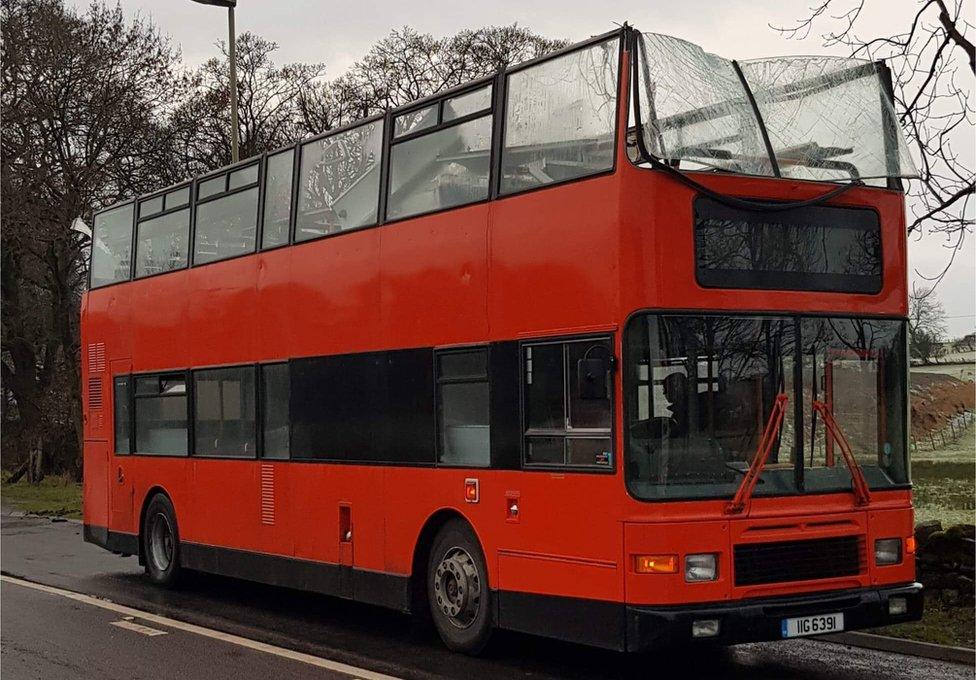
(812, 625)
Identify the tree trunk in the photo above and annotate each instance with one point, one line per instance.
(35, 460)
(19, 472)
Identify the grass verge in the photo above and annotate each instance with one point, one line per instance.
(941, 624)
(54, 496)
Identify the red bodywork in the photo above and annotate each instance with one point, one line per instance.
(576, 258)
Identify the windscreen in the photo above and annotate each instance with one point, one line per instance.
(816, 118)
(700, 389)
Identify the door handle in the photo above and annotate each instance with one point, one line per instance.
(120, 475)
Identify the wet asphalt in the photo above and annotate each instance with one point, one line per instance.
(81, 642)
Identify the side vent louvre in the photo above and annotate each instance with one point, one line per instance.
(96, 357)
(267, 495)
(94, 393)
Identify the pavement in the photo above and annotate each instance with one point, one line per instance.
(224, 628)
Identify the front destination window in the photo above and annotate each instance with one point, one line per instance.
(816, 247)
(699, 391)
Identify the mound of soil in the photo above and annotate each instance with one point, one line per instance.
(936, 399)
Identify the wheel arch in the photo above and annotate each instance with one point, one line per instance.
(421, 553)
(150, 494)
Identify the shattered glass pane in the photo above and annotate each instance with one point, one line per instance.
(559, 118)
(339, 182)
(826, 117)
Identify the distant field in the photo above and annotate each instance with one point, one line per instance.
(964, 372)
(944, 476)
(945, 481)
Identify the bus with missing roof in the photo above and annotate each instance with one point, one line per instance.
(608, 347)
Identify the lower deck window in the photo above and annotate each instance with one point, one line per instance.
(161, 414)
(462, 408)
(567, 390)
(120, 397)
(224, 413)
(275, 428)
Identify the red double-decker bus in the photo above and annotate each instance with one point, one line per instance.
(607, 347)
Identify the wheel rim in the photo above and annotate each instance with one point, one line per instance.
(457, 588)
(161, 543)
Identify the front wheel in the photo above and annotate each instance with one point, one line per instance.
(161, 542)
(457, 589)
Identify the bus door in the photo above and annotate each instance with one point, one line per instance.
(119, 470)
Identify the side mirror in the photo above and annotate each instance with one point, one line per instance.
(591, 378)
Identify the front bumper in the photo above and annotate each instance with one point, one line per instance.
(761, 619)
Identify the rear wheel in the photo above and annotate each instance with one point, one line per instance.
(161, 542)
(457, 589)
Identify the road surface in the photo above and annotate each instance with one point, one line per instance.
(223, 628)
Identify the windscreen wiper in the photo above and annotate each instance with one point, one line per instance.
(862, 494)
(773, 424)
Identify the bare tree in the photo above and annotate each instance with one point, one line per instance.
(926, 324)
(83, 126)
(933, 62)
(96, 109)
(408, 65)
(280, 104)
(268, 111)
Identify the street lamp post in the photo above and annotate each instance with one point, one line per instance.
(230, 4)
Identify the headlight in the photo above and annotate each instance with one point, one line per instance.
(702, 567)
(887, 551)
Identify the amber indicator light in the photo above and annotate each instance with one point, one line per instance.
(656, 564)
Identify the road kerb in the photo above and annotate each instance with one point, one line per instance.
(885, 643)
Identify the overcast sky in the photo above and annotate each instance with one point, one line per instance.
(338, 33)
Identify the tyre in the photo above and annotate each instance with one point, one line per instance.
(161, 542)
(457, 589)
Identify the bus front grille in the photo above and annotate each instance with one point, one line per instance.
(785, 561)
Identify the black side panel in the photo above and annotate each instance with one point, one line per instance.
(589, 622)
(96, 535)
(115, 541)
(372, 407)
(334, 404)
(506, 429)
(385, 590)
(406, 425)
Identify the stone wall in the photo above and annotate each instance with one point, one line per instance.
(944, 560)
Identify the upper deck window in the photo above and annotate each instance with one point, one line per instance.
(163, 232)
(339, 181)
(443, 163)
(112, 246)
(226, 215)
(277, 198)
(466, 104)
(560, 118)
(415, 121)
(812, 248)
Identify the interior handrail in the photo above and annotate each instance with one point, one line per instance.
(751, 478)
(862, 492)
